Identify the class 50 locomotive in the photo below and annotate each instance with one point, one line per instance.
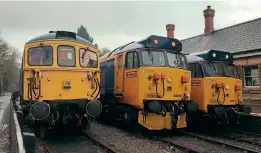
(147, 82)
(216, 87)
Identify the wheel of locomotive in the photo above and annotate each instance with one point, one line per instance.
(131, 119)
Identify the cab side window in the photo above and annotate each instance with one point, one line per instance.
(131, 60)
(195, 70)
(120, 62)
(190, 66)
(198, 71)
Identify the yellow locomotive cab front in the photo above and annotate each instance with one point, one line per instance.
(147, 82)
(59, 81)
(216, 87)
(162, 91)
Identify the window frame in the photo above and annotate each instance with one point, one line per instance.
(90, 51)
(58, 56)
(194, 73)
(147, 65)
(176, 54)
(244, 74)
(28, 55)
(126, 60)
(120, 62)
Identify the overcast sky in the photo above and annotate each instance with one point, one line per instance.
(116, 23)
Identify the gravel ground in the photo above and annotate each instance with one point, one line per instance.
(74, 144)
(68, 141)
(201, 146)
(128, 142)
(4, 124)
(4, 138)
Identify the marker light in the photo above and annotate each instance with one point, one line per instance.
(156, 41)
(219, 85)
(157, 76)
(184, 79)
(169, 79)
(226, 56)
(173, 44)
(163, 76)
(237, 87)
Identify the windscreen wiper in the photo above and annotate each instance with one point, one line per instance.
(151, 56)
(45, 53)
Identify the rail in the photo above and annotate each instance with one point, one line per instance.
(219, 142)
(45, 146)
(108, 147)
(178, 146)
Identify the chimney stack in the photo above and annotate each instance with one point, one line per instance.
(209, 14)
(170, 30)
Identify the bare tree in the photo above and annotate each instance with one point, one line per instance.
(104, 51)
(9, 67)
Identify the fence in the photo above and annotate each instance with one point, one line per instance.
(15, 134)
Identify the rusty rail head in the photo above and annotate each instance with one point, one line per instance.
(46, 147)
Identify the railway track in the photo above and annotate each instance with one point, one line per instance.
(217, 142)
(108, 147)
(248, 133)
(179, 146)
(45, 146)
(242, 136)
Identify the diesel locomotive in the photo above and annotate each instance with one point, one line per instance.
(147, 83)
(59, 82)
(216, 87)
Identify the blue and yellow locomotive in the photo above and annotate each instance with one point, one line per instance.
(147, 82)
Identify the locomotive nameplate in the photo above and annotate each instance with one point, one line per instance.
(196, 82)
(177, 95)
(151, 95)
(131, 74)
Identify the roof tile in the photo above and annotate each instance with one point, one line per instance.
(237, 38)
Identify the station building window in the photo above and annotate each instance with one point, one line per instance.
(251, 76)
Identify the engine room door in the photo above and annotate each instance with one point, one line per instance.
(119, 74)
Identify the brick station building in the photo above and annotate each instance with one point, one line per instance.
(242, 40)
